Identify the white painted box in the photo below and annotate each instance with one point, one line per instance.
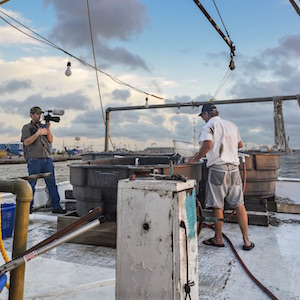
(157, 254)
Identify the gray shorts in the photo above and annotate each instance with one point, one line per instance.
(224, 183)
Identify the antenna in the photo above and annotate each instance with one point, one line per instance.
(194, 130)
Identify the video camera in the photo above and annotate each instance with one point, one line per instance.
(56, 112)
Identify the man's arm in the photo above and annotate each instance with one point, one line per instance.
(32, 138)
(206, 146)
(240, 145)
(49, 134)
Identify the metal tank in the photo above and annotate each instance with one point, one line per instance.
(95, 181)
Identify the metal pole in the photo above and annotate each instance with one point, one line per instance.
(54, 243)
(23, 191)
(106, 130)
(209, 18)
(188, 104)
(2, 2)
(296, 7)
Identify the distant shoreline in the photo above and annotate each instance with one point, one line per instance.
(21, 160)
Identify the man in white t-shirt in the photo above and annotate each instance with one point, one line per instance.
(220, 141)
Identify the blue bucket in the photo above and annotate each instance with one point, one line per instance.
(3, 280)
(7, 219)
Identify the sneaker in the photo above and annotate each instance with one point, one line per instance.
(59, 210)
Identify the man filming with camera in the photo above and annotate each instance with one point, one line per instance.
(36, 139)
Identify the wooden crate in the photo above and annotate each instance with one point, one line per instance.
(254, 217)
(103, 235)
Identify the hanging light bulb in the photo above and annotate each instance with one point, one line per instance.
(146, 103)
(178, 110)
(68, 71)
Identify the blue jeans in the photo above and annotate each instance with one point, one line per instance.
(44, 165)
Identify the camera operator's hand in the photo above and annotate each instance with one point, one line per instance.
(42, 131)
(49, 134)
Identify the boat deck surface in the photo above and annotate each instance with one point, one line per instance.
(75, 271)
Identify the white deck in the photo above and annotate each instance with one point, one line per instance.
(73, 271)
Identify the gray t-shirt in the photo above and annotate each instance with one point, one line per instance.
(40, 148)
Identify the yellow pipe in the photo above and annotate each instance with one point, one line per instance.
(23, 191)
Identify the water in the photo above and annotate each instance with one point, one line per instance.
(289, 167)
(62, 171)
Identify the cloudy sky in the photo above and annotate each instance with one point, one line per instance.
(165, 48)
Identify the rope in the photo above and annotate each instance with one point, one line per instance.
(95, 67)
(95, 63)
(222, 83)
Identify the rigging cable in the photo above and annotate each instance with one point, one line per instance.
(228, 41)
(51, 44)
(95, 62)
(222, 21)
(95, 67)
(222, 83)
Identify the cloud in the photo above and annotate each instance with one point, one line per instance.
(122, 95)
(8, 131)
(14, 85)
(288, 47)
(111, 21)
(73, 101)
(88, 124)
(273, 71)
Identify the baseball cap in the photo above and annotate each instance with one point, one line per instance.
(35, 109)
(207, 107)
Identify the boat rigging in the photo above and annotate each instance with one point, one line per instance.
(296, 7)
(226, 39)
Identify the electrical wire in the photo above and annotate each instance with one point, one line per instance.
(118, 81)
(51, 44)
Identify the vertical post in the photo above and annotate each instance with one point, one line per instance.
(106, 130)
(23, 192)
